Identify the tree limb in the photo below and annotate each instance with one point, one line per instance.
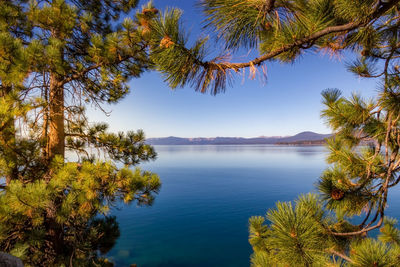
(332, 29)
(341, 255)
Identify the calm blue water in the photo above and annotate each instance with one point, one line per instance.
(208, 193)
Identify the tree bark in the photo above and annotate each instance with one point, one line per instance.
(55, 230)
(56, 134)
(55, 146)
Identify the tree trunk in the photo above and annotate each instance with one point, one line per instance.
(55, 145)
(54, 231)
(56, 135)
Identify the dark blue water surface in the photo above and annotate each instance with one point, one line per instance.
(200, 217)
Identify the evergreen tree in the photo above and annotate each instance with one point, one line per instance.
(336, 227)
(55, 58)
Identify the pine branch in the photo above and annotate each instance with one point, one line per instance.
(213, 75)
(341, 255)
(313, 37)
(79, 75)
(380, 212)
(362, 231)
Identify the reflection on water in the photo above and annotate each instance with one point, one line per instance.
(239, 148)
(200, 217)
(235, 156)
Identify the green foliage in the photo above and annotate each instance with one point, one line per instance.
(180, 65)
(389, 232)
(353, 10)
(83, 191)
(56, 57)
(294, 236)
(370, 252)
(280, 30)
(297, 228)
(363, 155)
(365, 164)
(239, 22)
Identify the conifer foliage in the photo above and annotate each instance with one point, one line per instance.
(336, 227)
(57, 57)
(279, 29)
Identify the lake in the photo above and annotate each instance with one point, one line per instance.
(200, 217)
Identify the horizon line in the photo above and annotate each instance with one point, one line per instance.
(260, 136)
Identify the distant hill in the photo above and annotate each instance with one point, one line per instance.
(304, 143)
(300, 138)
(305, 137)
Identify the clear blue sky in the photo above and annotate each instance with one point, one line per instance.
(290, 101)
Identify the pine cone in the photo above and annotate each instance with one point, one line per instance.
(337, 194)
(166, 42)
(293, 233)
(149, 11)
(365, 53)
(144, 22)
(267, 26)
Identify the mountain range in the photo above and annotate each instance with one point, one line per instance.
(300, 138)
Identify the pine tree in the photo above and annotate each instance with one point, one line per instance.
(55, 58)
(323, 230)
